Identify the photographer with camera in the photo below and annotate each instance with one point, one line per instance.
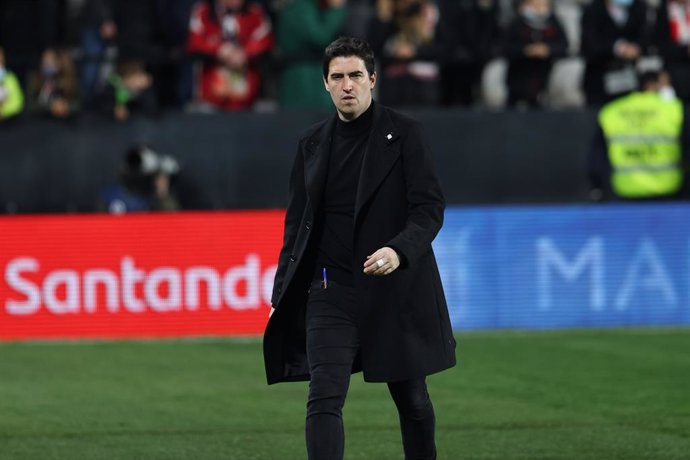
(144, 183)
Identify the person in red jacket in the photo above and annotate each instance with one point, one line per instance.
(229, 35)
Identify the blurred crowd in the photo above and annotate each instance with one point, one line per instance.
(117, 57)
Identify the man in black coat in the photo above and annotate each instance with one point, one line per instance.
(357, 285)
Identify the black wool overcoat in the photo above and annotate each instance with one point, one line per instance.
(406, 331)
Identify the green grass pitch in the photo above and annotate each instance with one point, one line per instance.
(581, 394)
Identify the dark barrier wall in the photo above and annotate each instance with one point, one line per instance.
(243, 160)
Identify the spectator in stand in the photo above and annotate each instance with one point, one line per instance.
(472, 32)
(532, 42)
(613, 36)
(98, 31)
(176, 79)
(54, 88)
(305, 27)
(403, 34)
(27, 28)
(129, 89)
(11, 95)
(230, 36)
(672, 37)
(642, 147)
(141, 37)
(143, 183)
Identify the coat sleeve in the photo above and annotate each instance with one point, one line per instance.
(661, 35)
(425, 202)
(261, 39)
(558, 45)
(296, 202)
(593, 44)
(200, 42)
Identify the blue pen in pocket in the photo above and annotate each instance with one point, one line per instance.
(325, 278)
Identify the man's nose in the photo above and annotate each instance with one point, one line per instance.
(347, 84)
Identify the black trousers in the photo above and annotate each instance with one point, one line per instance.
(332, 345)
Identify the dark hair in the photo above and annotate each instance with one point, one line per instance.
(648, 77)
(126, 67)
(346, 47)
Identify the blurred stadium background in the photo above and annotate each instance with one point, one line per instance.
(599, 293)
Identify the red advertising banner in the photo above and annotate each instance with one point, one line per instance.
(137, 275)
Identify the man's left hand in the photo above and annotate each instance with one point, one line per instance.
(382, 262)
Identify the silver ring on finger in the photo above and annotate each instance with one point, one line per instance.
(380, 263)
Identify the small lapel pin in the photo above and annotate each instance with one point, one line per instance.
(389, 136)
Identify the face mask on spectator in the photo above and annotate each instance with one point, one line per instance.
(532, 15)
(49, 71)
(667, 92)
(624, 3)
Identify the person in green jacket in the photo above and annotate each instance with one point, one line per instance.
(11, 95)
(642, 148)
(305, 27)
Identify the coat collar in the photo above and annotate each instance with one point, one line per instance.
(379, 155)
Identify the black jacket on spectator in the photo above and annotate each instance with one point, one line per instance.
(676, 56)
(96, 12)
(139, 31)
(27, 28)
(471, 37)
(527, 76)
(599, 35)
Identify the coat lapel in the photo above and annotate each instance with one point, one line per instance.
(381, 153)
(316, 154)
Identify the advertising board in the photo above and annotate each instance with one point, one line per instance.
(208, 274)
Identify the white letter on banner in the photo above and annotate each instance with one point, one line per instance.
(171, 277)
(250, 274)
(68, 278)
(193, 278)
(30, 290)
(548, 257)
(131, 275)
(109, 280)
(658, 277)
(267, 283)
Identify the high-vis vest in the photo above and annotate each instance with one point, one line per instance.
(642, 132)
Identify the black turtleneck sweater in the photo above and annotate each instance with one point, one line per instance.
(336, 241)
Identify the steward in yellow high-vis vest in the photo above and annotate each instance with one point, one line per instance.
(643, 137)
(11, 96)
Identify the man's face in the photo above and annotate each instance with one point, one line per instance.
(350, 86)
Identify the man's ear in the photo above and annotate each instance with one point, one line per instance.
(372, 78)
(325, 83)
